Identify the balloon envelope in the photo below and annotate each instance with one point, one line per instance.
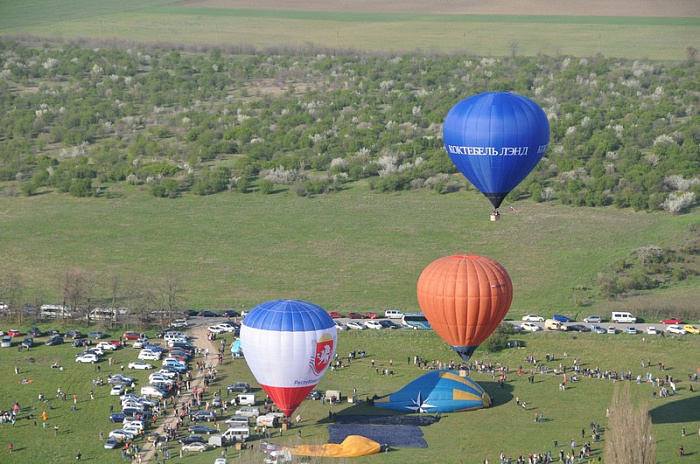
(288, 345)
(465, 298)
(495, 139)
(437, 391)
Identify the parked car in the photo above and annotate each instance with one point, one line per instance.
(201, 429)
(117, 390)
(355, 325)
(140, 343)
(560, 318)
(578, 328)
(598, 329)
(121, 435)
(670, 320)
(87, 358)
(191, 439)
(612, 329)
(112, 443)
(28, 342)
(315, 394)
(594, 319)
(631, 330)
(207, 415)
(96, 334)
(115, 343)
(371, 324)
(106, 346)
(530, 327)
(675, 329)
(74, 334)
(117, 417)
(147, 355)
(651, 330)
(6, 341)
(334, 314)
(131, 335)
(55, 340)
(340, 326)
(35, 332)
(691, 329)
(389, 324)
(82, 343)
(229, 313)
(533, 318)
(371, 315)
(120, 379)
(393, 314)
(242, 387)
(140, 365)
(354, 316)
(209, 314)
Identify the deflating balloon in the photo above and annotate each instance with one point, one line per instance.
(495, 139)
(465, 298)
(288, 345)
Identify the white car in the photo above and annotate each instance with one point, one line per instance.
(117, 390)
(138, 424)
(133, 430)
(140, 343)
(149, 355)
(651, 330)
(340, 326)
(121, 434)
(167, 374)
(530, 327)
(140, 365)
(372, 324)
(217, 329)
(533, 318)
(355, 325)
(86, 358)
(676, 329)
(179, 323)
(106, 346)
(196, 446)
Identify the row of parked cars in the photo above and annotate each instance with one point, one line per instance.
(371, 324)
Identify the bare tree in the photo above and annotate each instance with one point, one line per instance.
(171, 293)
(73, 288)
(630, 436)
(114, 292)
(92, 280)
(10, 291)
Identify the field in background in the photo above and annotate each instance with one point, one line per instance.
(353, 250)
(580, 33)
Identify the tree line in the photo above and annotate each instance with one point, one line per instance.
(80, 120)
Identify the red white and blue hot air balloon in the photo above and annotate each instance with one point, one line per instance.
(288, 345)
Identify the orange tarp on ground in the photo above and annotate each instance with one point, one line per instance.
(352, 446)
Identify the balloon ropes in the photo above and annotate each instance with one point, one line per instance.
(465, 298)
(288, 345)
(495, 139)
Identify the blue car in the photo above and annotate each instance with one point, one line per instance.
(117, 417)
(560, 318)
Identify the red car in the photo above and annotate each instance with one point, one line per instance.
(355, 316)
(131, 335)
(116, 343)
(14, 333)
(334, 314)
(371, 315)
(673, 320)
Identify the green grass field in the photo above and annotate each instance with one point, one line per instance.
(162, 21)
(354, 250)
(469, 437)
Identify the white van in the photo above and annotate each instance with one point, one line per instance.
(246, 399)
(55, 311)
(622, 317)
(268, 420)
(248, 411)
(393, 314)
(152, 391)
(237, 433)
(551, 324)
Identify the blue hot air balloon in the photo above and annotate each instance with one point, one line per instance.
(495, 139)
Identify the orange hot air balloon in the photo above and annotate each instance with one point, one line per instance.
(465, 298)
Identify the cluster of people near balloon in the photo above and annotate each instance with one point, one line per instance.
(495, 139)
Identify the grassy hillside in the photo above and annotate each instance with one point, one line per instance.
(354, 250)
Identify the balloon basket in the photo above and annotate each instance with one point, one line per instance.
(495, 217)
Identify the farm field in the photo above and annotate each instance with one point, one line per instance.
(469, 436)
(629, 29)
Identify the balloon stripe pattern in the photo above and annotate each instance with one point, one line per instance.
(288, 345)
(495, 139)
(465, 298)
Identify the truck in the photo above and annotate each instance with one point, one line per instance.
(551, 324)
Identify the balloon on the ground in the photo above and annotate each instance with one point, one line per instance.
(438, 391)
(465, 298)
(353, 446)
(495, 139)
(288, 345)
